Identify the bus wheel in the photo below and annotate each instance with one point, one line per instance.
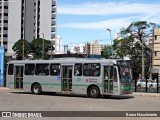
(36, 89)
(94, 92)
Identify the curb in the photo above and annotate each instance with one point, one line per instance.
(146, 94)
(4, 88)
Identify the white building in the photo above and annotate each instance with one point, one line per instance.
(79, 48)
(58, 45)
(29, 19)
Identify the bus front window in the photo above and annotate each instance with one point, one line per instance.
(124, 70)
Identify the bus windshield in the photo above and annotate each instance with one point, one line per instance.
(124, 70)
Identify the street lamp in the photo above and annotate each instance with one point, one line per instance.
(43, 47)
(111, 42)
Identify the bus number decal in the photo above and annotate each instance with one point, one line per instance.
(58, 77)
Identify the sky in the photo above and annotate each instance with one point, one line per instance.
(81, 21)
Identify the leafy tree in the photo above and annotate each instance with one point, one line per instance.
(37, 47)
(131, 44)
(107, 51)
(18, 48)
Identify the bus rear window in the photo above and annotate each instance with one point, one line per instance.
(10, 69)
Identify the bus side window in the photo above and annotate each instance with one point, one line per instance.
(78, 69)
(29, 69)
(10, 69)
(42, 69)
(91, 69)
(55, 69)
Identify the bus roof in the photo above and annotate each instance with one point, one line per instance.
(66, 60)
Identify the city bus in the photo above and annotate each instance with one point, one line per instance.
(91, 77)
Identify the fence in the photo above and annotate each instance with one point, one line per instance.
(147, 85)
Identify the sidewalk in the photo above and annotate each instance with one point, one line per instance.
(146, 94)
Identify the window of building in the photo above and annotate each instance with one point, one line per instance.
(29, 69)
(5, 7)
(5, 14)
(91, 69)
(155, 37)
(155, 54)
(42, 69)
(10, 69)
(5, 21)
(5, 28)
(78, 69)
(55, 69)
(5, 35)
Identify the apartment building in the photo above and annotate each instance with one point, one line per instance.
(27, 19)
(156, 51)
(4, 23)
(94, 48)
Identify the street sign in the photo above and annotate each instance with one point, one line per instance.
(1, 66)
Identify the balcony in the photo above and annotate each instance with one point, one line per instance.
(53, 29)
(53, 10)
(53, 16)
(53, 3)
(53, 23)
(52, 36)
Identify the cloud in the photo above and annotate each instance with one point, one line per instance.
(112, 23)
(131, 11)
(109, 8)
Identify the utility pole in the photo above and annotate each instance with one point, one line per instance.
(43, 47)
(142, 55)
(111, 42)
(24, 27)
(51, 50)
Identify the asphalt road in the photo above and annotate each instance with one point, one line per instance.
(21, 101)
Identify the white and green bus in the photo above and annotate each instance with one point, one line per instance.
(93, 77)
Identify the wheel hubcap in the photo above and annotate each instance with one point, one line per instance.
(36, 90)
(93, 92)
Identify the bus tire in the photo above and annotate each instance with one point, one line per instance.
(36, 89)
(94, 92)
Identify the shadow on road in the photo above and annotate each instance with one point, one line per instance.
(76, 95)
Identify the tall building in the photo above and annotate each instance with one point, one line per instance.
(58, 45)
(94, 48)
(28, 19)
(156, 51)
(4, 23)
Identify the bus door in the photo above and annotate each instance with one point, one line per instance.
(18, 77)
(67, 78)
(108, 79)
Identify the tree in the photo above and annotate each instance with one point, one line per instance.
(37, 47)
(107, 51)
(18, 48)
(131, 44)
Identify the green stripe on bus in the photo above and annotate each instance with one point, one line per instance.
(58, 84)
(127, 88)
(10, 82)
